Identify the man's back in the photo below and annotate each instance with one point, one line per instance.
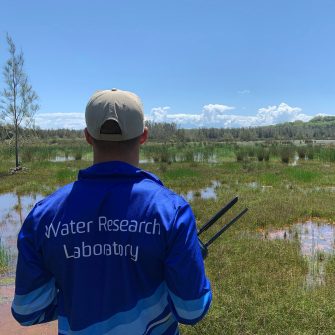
(113, 253)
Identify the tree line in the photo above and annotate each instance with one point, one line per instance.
(319, 128)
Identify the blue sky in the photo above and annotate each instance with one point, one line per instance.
(197, 63)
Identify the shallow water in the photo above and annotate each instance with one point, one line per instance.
(204, 193)
(316, 245)
(62, 159)
(295, 160)
(253, 185)
(13, 210)
(146, 160)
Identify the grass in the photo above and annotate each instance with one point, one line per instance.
(302, 174)
(4, 260)
(180, 173)
(40, 177)
(259, 286)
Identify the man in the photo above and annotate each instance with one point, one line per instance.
(114, 252)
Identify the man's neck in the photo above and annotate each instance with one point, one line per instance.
(130, 159)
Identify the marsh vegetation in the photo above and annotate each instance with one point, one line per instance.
(259, 283)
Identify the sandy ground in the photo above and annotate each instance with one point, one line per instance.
(8, 326)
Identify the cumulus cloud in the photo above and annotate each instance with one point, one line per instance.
(212, 115)
(216, 115)
(279, 114)
(159, 114)
(60, 120)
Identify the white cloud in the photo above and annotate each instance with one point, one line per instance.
(215, 115)
(280, 114)
(60, 120)
(160, 113)
(212, 115)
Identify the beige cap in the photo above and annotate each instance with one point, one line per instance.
(125, 108)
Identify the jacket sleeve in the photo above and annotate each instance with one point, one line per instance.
(35, 299)
(189, 289)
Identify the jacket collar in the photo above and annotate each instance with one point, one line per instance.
(116, 169)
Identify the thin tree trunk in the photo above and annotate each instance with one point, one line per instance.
(16, 122)
(16, 146)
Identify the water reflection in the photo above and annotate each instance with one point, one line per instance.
(146, 160)
(254, 185)
(316, 244)
(295, 160)
(204, 193)
(62, 158)
(13, 210)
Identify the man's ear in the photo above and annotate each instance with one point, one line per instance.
(88, 137)
(144, 136)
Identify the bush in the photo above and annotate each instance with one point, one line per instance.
(302, 152)
(285, 155)
(310, 152)
(241, 155)
(78, 155)
(260, 154)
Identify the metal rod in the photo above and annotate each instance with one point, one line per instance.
(217, 216)
(225, 227)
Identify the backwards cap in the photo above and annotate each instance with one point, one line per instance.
(121, 107)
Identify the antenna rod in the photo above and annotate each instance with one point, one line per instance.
(225, 227)
(217, 216)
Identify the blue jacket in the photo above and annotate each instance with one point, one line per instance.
(113, 253)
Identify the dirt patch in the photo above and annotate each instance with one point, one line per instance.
(8, 326)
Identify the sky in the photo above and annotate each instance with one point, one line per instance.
(199, 63)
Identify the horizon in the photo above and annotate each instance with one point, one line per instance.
(323, 119)
(194, 63)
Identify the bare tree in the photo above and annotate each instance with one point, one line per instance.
(19, 101)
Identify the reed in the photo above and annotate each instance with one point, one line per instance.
(4, 259)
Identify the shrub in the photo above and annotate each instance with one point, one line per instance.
(302, 152)
(285, 155)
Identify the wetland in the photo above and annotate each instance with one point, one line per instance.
(272, 271)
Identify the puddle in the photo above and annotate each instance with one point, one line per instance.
(257, 186)
(330, 189)
(205, 193)
(13, 210)
(84, 157)
(201, 157)
(253, 185)
(316, 244)
(295, 160)
(266, 187)
(146, 160)
(62, 159)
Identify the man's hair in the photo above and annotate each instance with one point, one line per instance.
(112, 127)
